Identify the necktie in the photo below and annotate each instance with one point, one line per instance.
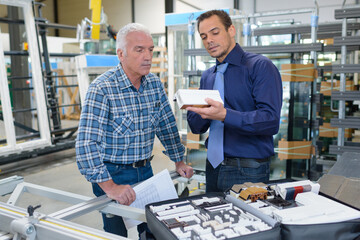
(215, 151)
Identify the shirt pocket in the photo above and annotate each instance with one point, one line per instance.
(155, 117)
(124, 130)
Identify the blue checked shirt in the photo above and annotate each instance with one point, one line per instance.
(118, 124)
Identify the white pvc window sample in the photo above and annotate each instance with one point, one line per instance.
(12, 146)
(88, 64)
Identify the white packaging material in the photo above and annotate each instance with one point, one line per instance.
(190, 97)
(315, 209)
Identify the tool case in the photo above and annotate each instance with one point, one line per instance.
(209, 216)
(170, 228)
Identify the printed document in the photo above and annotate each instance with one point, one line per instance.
(155, 189)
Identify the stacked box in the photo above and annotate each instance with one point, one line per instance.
(356, 136)
(298, 72)
(327, 131)
(193, 141)
(295, 150)
(325, 87)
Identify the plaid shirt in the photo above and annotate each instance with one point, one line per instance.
(118, 124)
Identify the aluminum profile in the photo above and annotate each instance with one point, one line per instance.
(327, 68)
(346, 96)
(333, 48)
(347, 13)
(281, 48)
(334, 149)
(349, 122)
(286, 48)
(303, 29)
(346, 68)
(347, 41)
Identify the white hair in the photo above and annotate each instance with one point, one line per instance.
(124, 31)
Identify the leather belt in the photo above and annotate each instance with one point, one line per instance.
(141, 163)
(234, 161)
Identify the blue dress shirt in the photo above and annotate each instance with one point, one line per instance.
(253, 99)
(118, 124)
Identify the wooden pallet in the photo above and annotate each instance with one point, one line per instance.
(71, 113)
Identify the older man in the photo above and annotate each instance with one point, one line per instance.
(123, 110)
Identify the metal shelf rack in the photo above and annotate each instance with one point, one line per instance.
(342, 96)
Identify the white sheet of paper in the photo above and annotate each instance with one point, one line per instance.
(157, 188)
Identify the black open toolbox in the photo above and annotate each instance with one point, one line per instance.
(161, 231)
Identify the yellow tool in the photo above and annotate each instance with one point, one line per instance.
(95, 6)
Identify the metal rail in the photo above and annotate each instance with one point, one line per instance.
(280, 48)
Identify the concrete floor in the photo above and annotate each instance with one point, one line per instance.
(61, 173)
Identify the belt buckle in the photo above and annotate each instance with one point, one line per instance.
(143, 162)
(138, 164)
(231, 161)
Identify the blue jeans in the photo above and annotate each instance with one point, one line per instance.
(223, 177)
(123, 174)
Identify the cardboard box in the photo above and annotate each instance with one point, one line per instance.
(325, 87)
(298, 72)
(328, 41)
(193, 141)
(356, 136)
(327, 131)
(295, 150)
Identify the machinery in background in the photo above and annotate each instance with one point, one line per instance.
(33, 89)
(88, 32)
(32, 119)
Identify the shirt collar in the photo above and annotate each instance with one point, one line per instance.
(234, 57)
(125, 81)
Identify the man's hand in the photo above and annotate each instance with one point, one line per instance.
(184, 170)
(124, 194)
(216, 111)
